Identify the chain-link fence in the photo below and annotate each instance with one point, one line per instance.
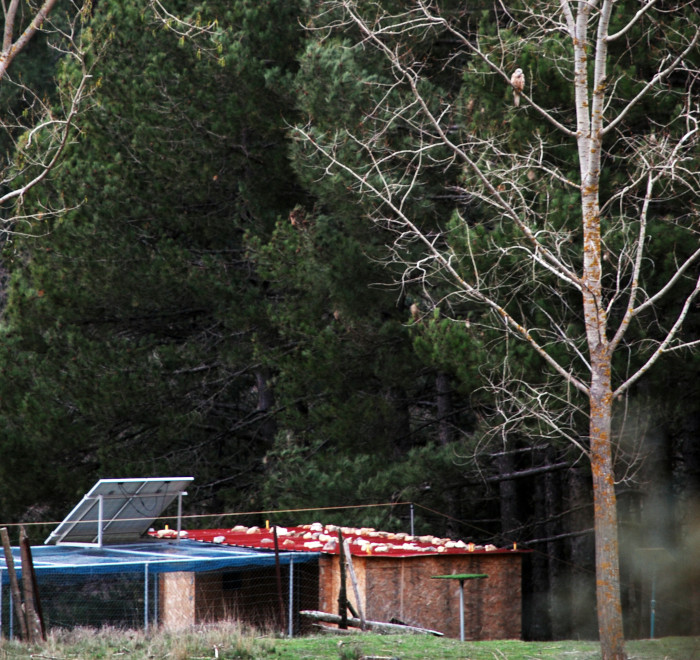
(269, 597)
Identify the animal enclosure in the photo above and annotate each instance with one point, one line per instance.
(394, 576)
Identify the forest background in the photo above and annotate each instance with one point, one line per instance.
(183, 294)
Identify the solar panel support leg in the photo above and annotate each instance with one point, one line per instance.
(100, 519)
(179, 514)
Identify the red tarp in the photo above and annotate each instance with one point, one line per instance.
(319, 538)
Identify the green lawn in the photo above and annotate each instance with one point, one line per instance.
(228, 643)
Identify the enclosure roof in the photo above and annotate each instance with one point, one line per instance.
(324, 538)
(118, 510)
(159, 556)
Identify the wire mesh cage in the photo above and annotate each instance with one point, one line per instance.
(69, 601)
(266, 598)
(264, 591)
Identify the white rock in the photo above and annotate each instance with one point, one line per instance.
(313, 545)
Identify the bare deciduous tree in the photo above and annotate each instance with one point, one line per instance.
(35, 125)
(580, 286)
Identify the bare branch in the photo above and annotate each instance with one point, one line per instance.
(365, 186)
(679, 273)
(634, 285)
(658, 77)
(10, 50)
(66, 126)
(184, 28)
(10, 14)
(631, 23)
(42, 131)
(495, 198)
(665, 345)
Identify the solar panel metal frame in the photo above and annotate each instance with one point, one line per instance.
(119, 510)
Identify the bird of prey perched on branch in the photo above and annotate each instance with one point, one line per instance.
(518, 82)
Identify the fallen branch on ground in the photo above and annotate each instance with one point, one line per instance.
(375, 626)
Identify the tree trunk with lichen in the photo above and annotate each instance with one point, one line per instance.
(590, 106)
(610, 626)
(605, 517)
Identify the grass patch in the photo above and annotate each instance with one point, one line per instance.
(230, 641)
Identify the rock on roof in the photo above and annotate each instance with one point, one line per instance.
(317, 537)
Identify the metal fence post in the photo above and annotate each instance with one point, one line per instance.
(291, 597)
(145, 596)
(156, 594)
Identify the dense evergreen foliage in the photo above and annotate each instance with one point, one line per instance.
(209, 306)
(144, 294)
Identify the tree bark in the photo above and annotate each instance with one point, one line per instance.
(605, 520)
(9, 49)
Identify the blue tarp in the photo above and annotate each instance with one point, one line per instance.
(160, 556)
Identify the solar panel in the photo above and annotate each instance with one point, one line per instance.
(119, 510)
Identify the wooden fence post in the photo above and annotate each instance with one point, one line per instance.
(32, 604)
(278, 573)
(342, 594)
(356, 587)
(14, 585)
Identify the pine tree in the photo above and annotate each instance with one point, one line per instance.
(131, 320)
